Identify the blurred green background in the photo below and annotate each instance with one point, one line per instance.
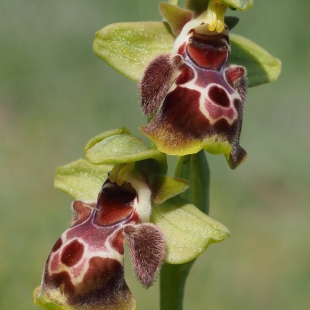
(55, 94)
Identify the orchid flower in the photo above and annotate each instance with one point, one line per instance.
(135, 206)
(193, 75)
(197, 99)
(85, 267)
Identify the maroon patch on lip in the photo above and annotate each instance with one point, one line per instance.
(81, 212)
(61, 281)
(115, 204)
(181, 49)
(103, 285)
(179, 118)
(117, 242)
(234, 73)
(219, 96)
(57, 245)
(181, 109)
(186, 75)
(207, 56)
(72, 253)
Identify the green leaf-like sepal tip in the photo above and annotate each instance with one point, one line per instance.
(118, 147)
(187, 230)
(81, 179)
(129, 47)
(164, 187)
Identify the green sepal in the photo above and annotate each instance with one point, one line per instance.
(81, 179)
(111, 148)
(106, 134)
(261, 66)
(129, 47)
(164, 187)
(175, 16)
(187, 230)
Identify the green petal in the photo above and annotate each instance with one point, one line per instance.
(164, 188)
(175, 16)
(187, 230)
(129, 47)
(261, 66)
(81, 179)
(120, 148)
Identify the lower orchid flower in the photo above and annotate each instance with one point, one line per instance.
(196, 99)
(85, 267)
(138, 205)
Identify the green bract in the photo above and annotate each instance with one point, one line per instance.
(188, 231)
(129, 47)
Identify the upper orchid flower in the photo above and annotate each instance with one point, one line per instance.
(196, 97)
(193, 78)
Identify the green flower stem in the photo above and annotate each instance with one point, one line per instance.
(172, 285)
(195, 169)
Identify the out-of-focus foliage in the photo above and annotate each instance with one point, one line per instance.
(55, 94)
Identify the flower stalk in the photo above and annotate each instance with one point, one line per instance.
(173, 277)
